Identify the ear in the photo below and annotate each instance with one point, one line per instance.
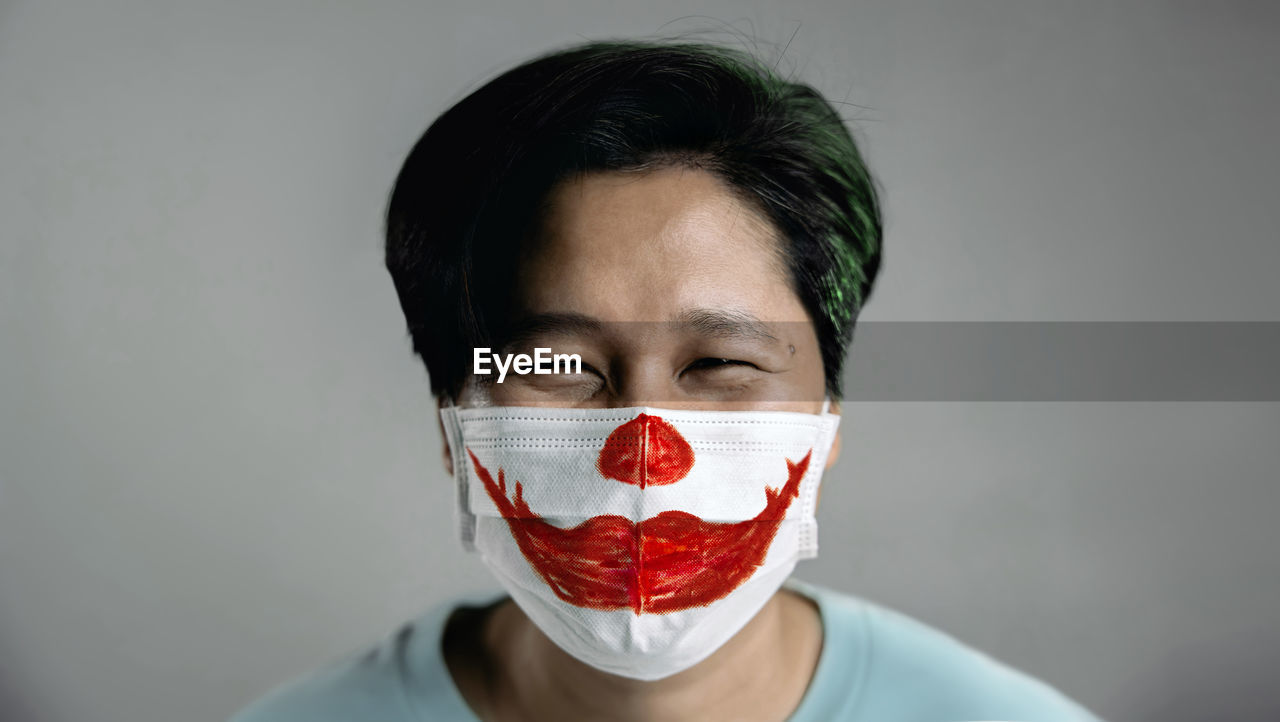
(835, 445)
(446, 455)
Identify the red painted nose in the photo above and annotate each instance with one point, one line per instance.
(646, 451)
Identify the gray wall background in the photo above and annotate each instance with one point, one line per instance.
(219, 464)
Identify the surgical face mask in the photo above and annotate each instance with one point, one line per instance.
(639, 540)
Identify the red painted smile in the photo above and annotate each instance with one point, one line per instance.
(666, 563)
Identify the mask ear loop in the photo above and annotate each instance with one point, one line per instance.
(464, 520)
(826, 405)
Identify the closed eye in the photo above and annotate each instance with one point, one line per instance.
(714, 363)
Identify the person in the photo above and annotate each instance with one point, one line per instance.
(699, 234)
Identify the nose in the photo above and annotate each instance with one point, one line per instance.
(639, 380)
(645, 451)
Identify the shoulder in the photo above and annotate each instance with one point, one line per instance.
(401, 678)
(364, 686)
(909, 670)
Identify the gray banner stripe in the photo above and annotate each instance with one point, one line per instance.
(1064, 361)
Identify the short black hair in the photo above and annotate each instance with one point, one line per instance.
(470, 190)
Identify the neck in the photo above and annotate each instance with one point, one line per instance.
(534, 679)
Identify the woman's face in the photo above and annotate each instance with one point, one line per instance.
(673, 292)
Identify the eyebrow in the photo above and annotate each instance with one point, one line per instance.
(725, 324)
(561, 324)
(714, 323)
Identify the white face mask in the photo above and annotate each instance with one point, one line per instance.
(639, 540)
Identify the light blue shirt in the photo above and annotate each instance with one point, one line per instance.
(876, 666)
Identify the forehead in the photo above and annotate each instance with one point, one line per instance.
(647, 246)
